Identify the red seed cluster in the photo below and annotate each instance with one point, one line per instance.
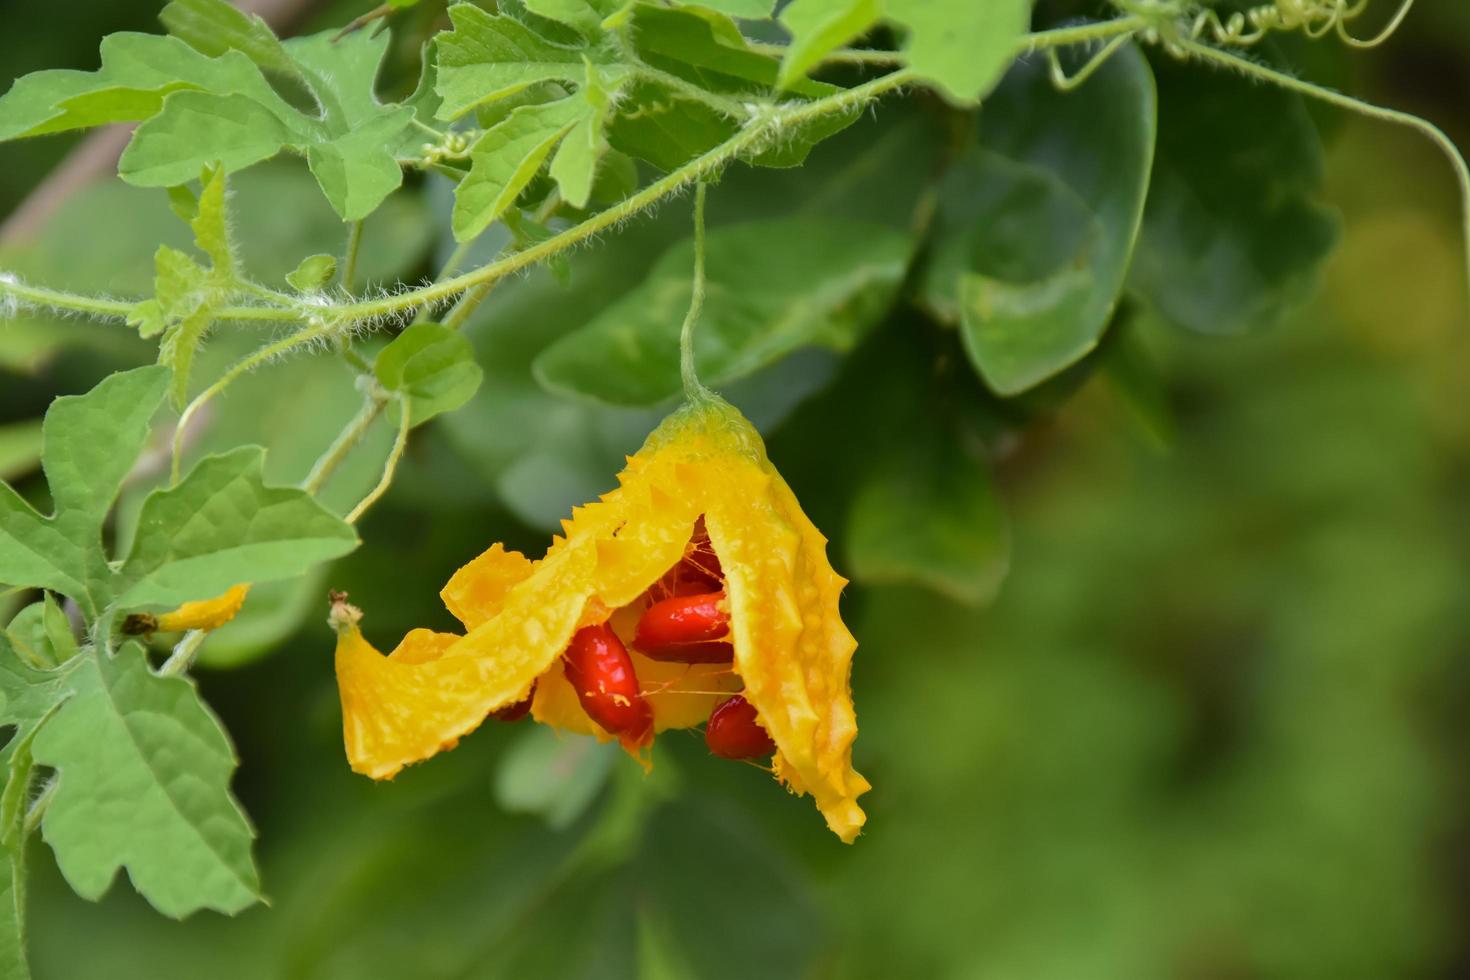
(687, 621)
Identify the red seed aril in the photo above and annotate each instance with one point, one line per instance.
(684, 629)
(517, 710)
(733, 733)
(598, 667)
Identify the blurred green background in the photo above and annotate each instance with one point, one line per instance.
(1211, 727)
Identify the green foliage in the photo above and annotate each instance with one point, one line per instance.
(1233, 236)
(963, 48)
(925, 508)
(222, 525)
(225, 110)
(1029, 304)
(775, 287)
(128, 736)
(897, 306)
(248, 531)
(432, 367)
(491, 56)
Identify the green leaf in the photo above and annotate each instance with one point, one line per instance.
(585, 16)
(28, 698)
(929, 514)
(819, 27)
(1037, 227)
(553, 776)
(745, 9)
(707, 49)
(505, 159)
(357, 171)
(432, 366)
(211, 224)
(13, 964)
(89, 443)
(92, 440)
(350, 146)
(216, 26)
(962, 47)
(1133, 374)
(181, 309)
(314, 272)
(138, 71)
(195, 129)
(1232, 237)
(666, 130)
(574, 168)
(59, 636)
(221, 526)
(143, 784)
(487, 57)
(773, 287)
(29, 637)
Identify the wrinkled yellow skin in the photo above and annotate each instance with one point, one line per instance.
(792, 651)
(205, 614)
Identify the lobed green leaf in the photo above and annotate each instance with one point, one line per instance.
(143, 773)
(221, 526)
(486, 57)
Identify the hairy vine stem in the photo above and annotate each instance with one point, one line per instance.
(400, 443)
(314, 331)
(693, 387)
(345, 442)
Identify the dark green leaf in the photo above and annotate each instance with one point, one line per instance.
(1037, 228)
(665, 129)
(1232, 236)
(432, 366)
(929, 513)
(143, 784)
(773, 287)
